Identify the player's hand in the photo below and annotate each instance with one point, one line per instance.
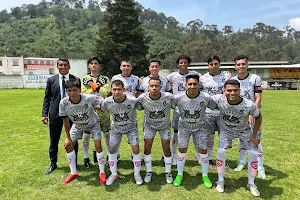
(94, 86)
(97, 107)
(253, 140)
(141, 80)
(68, 142)
(45, 120)
(250, 120)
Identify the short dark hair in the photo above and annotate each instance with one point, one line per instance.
(117, 82)
(155, 60)
(128, 60)
(232, 82)
(93, 58)
(73, 83)
(194, 76)
(155, 79)
(241, 57)
(210, 59)
(183, 56)
(64, 60)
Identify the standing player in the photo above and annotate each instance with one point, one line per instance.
(250, 89)
(131, 82)
(176, 81)
(154, 66)
(98, 85)
(122, 108)
(234, 115)
(157, 107)
(212, 82)
(191, 106)
(79, 108)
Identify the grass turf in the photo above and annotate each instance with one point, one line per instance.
(24, 158)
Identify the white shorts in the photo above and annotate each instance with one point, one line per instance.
(132, 135)
(212, 123)
(76, 133)
(200, 136)
(149, 133)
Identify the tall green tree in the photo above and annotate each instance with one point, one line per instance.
(122, 38)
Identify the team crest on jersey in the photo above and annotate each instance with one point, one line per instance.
(205, 160)
(137, 164)
(132, 80)
(223, 80)
(201, 103)
(250, 84)
(128, 106)
(164, 103)
(86, 106)
(137, 140)
(241, 112)
(254, 164)
(219, 163)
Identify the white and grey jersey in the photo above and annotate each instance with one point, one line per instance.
(156, 112)
(143, 87)
(123, 114)
(176, 81)
(214, 84)
(192, 110)
(82, 114)
(131, 83)
(249, 86)
(235, 117)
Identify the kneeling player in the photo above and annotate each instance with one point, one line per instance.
(122, 107)
(235, 112)
(157, 106)
(191, 105)
(80, 109)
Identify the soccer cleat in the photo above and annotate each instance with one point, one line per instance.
(174, 161)
(138, 179)
(240, 167)
(211, 163)
(102, 178)
(206, 182)
(148, 177)
(70, 178)
(169, 177)
(253, 189)
(87, 163)
(261, 173)
(111, 179)
(178, 180)
(220, 186)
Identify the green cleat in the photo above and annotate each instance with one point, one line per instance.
(178, 180)
(206, 182)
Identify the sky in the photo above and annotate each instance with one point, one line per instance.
(237, 13)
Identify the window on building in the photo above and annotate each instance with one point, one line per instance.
(35, 62)
(42, 63)
(0, 62)
(48, 63)
(15, 63)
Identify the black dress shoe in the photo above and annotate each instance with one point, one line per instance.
(51, 168)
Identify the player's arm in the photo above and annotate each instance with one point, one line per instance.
(46, 104)
(212, 102)
(258, 91)
(254, 111)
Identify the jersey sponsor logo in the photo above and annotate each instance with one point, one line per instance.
(205, 160)
(80, 116)
(219, 163)
(121, 117)
(254, 164)
(192, 115)
(158, 114)
(231, 119)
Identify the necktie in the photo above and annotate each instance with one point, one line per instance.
(63, 87)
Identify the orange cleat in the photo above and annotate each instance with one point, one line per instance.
(70, 178)
(102, 177)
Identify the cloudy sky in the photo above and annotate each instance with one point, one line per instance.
(237, 13)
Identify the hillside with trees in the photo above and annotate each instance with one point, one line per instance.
(69, 28)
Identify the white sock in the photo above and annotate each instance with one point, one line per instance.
(136, 159)
(148, 162)
(72, 161)
(181, 158)
(252, 166)
(220, 162)
(210, 145)
(100, 158)
(106, 139)
(204, 164)
(168, 163)
(174, 144)
(242, 154)
(86, 144)
(260, 156)
(112, 160)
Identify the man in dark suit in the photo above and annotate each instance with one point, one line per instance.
(55, 91)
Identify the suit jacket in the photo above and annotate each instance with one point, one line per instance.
(52, 97)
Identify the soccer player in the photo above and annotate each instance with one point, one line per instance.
(79, 108)
(212, 82)
(131, 82)
(191, 106)
(122, 107)
(177, 81)
(154, 66)
(157, 107)
(234, 115)
(99, 85)
(250, 89)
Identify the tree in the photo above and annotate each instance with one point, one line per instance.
(4, 16)
(17, 12)
(123, 37)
